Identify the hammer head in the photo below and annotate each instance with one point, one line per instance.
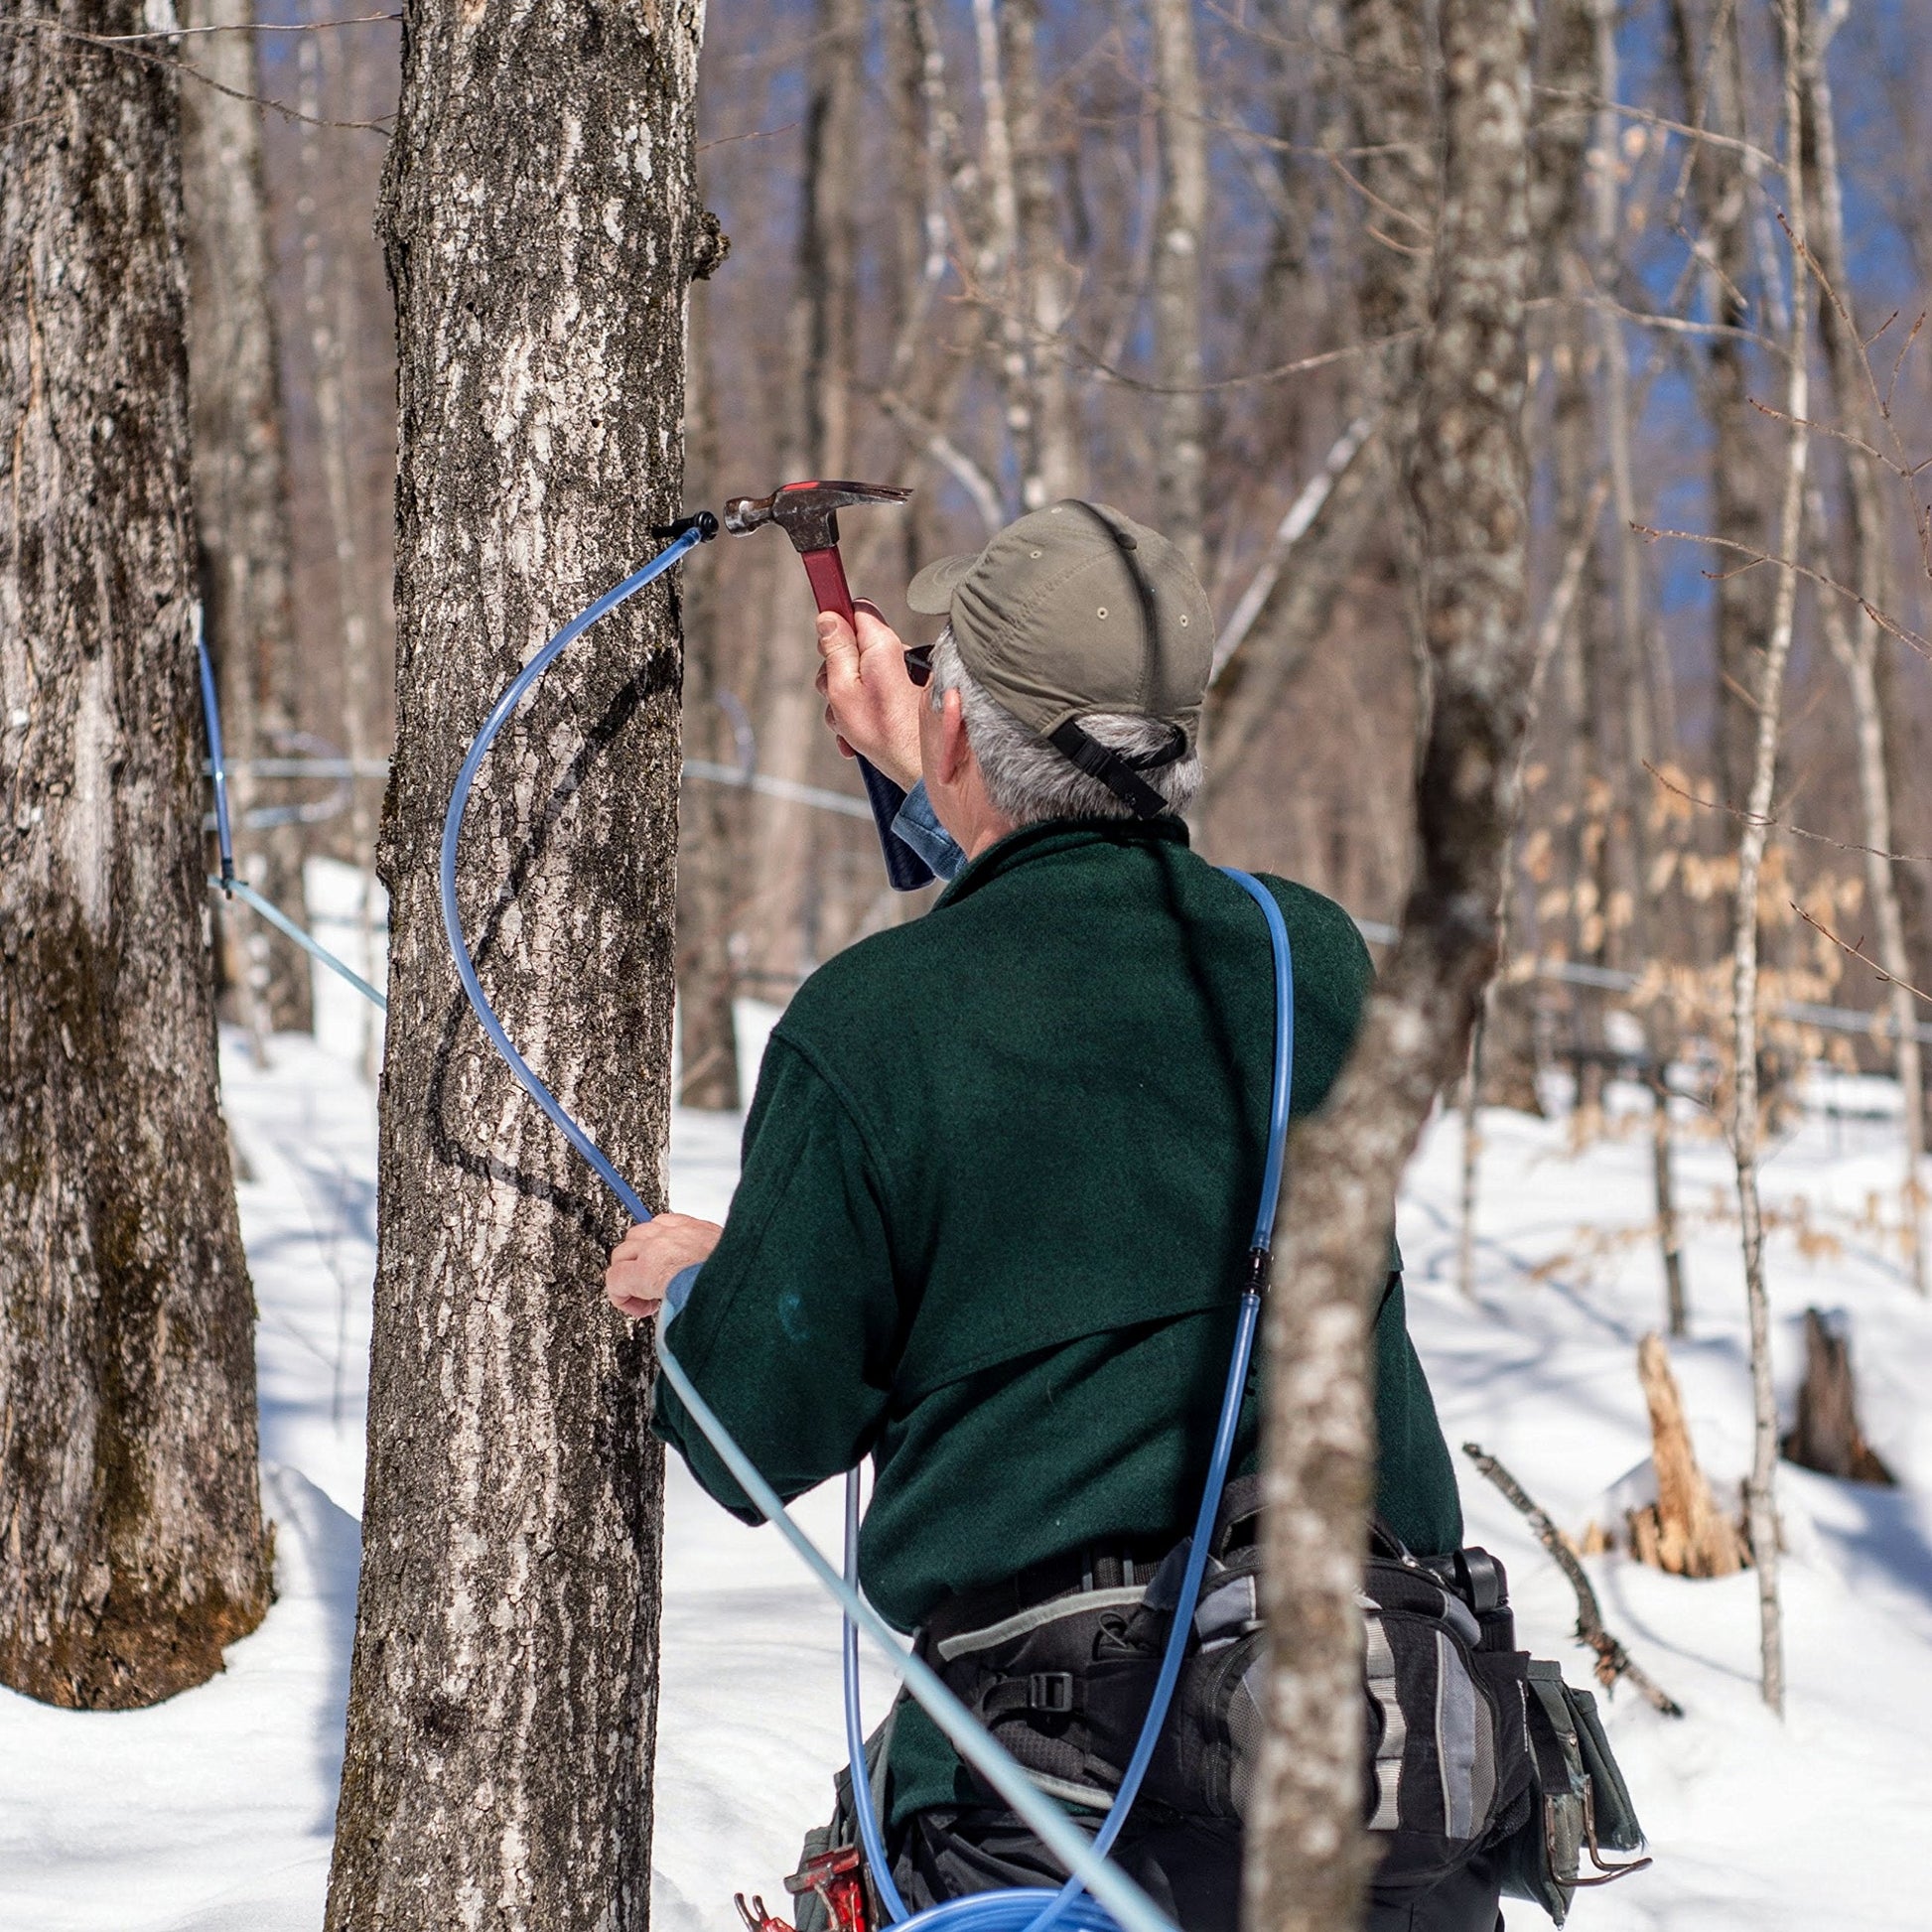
(807, 513)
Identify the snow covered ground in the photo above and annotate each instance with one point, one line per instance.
(211, 1812)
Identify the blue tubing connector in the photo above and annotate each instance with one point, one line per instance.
(1115, 1904)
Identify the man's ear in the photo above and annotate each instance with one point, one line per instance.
(955, 751)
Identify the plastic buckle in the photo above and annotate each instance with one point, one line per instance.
(1051, 1693)
(1485, 1587)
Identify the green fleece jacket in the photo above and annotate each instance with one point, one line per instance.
(999, 1177)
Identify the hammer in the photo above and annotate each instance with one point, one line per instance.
(808, 514)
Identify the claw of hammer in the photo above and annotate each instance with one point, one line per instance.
(807, 513)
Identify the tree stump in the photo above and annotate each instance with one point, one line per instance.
(1683, 1532)
(1826, 1436)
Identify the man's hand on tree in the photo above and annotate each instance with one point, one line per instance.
(870, 702)
(643, 1262)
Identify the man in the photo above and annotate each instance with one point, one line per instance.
(1002, 1164)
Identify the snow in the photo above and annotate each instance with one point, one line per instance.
(211, 1812)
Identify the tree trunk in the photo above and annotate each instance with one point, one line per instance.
(712, 817)
(1709, 50)
(1760, 1495)
(331, 314)
(828, 235)
(133, 1549)
(1308, 1860)
(240, 469)
(1827, 1436)
(1391, 167)
(541, 223)
(1054, 463)
(1310, 569)
(1854, 638)
(1180, 453)
(1643, 726)
(813, 439)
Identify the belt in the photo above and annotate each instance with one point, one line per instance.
(1120, 1563)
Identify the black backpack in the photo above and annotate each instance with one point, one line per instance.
(1475, 1749)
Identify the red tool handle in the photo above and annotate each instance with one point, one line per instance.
(907, 871)
(827, 571)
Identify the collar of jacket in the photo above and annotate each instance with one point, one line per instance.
(1059, 835)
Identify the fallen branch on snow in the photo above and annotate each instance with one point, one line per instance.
(1612, 1660)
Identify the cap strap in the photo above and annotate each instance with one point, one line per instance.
(1116, 769)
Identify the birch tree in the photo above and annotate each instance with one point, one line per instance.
(541, 223)
(1308, 1858)
(1760, 1501)
(134, 1548)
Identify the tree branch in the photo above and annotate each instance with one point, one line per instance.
(1612, 1660)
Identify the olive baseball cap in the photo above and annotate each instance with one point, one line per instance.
(1077, 608)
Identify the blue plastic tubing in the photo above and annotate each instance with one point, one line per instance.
(1116, 1902)
(226, 883)
(212, 711)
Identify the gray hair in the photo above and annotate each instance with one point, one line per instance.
(1027, 780)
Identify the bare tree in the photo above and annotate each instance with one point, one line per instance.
(712, 816)
(1646, 700)
(1760, 1494)
(1854, 636)
(134, 1549)
(813, 437)
(1308, 1860)
(1709, 49)
(240, 471)
(326, 306)
(1179, 455)
(1388, 169)
(541, 223)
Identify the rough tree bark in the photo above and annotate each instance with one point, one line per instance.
(1181, 456)
(1761, 1493)
(1308, 1858)
(541, 222)
(240, 469)
(132, 1546)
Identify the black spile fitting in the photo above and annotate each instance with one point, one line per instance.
(702, 522)
(1260, 1262)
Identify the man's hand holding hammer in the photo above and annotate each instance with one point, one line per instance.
(870, 702)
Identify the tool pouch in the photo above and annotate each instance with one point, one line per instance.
(1579, 1803)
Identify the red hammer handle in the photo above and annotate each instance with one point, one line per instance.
(907, 871)
(827, 572)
